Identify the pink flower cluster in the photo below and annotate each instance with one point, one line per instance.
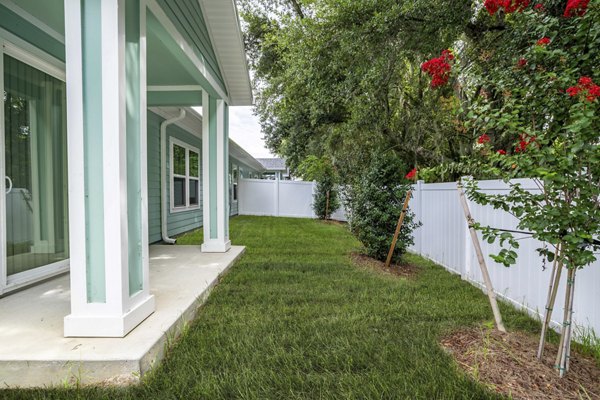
(524, 142)
(439, 69)
(509, 6)
(576, 8)
(483, 139)
(543, 41)
(585, 87)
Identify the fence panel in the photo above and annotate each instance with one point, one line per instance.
(276, 198)
(296, 199)
(257, 197)
(444, 238)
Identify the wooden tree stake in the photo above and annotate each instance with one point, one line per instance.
(388, 261)
(484, 271)
(327, 207)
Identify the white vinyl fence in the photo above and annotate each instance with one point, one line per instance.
(444, 238)
(276, 198)
(279, 198)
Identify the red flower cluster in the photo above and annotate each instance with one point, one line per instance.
(412, 174)
(483, 139)
(586, 87)
(510, 6)
(576, 7)
(524, 142)
(522, 63)
(439, 68)
(501, 152)
(539, 7)
(543, 41)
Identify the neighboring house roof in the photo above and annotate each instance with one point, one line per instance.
(226, 35)
(273, 164)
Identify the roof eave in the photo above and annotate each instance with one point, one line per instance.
(225, 32)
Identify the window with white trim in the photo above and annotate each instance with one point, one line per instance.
(185, 176)
(235, 183)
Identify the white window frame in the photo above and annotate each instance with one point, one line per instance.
(28, 54)
(187, 207)
(235, 187)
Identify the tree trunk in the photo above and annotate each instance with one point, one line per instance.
(551, 300)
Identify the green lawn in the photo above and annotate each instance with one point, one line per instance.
(295, 319)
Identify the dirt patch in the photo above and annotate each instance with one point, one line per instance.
(404, 270)
(507, 363)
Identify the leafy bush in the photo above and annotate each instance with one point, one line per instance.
(374, 204)
(322, 171)
(325, 185)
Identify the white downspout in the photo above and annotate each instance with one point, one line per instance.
(163, 176)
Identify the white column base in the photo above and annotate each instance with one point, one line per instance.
(108, 326)
(216, 246)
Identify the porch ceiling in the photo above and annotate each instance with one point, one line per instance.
(168, 64)
(172, 78)
(49, 12)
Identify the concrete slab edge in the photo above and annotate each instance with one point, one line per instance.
(35, 373)
(158, 351)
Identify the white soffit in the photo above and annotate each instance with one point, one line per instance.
(237, 151)
(226, 35)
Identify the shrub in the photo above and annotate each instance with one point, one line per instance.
(374, 204)
(322, 171)
(326, 184)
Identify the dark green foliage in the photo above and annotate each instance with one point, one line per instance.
(375, 202)
(326, 200)
(345, 76)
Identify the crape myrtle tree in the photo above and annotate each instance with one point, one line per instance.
(536, 111)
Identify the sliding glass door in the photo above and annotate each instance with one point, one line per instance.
(35, 169)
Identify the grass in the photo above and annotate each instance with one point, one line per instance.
(296, 319)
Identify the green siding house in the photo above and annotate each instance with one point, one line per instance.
(115, 136)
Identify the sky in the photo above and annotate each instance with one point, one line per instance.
(244, 129)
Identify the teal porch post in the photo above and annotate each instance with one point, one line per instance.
(215, 178)
(106, 109)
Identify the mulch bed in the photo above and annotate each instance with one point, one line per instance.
(507, 363)
(403, 270)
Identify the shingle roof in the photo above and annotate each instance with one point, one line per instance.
(273, 164)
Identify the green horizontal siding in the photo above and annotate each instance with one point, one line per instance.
(189, 20)
(154, 122)
(186, 220)
(178, 222)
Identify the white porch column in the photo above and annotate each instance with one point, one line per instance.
(106, 108)
(215, 174)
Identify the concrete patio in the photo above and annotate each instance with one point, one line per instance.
(33, 351)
